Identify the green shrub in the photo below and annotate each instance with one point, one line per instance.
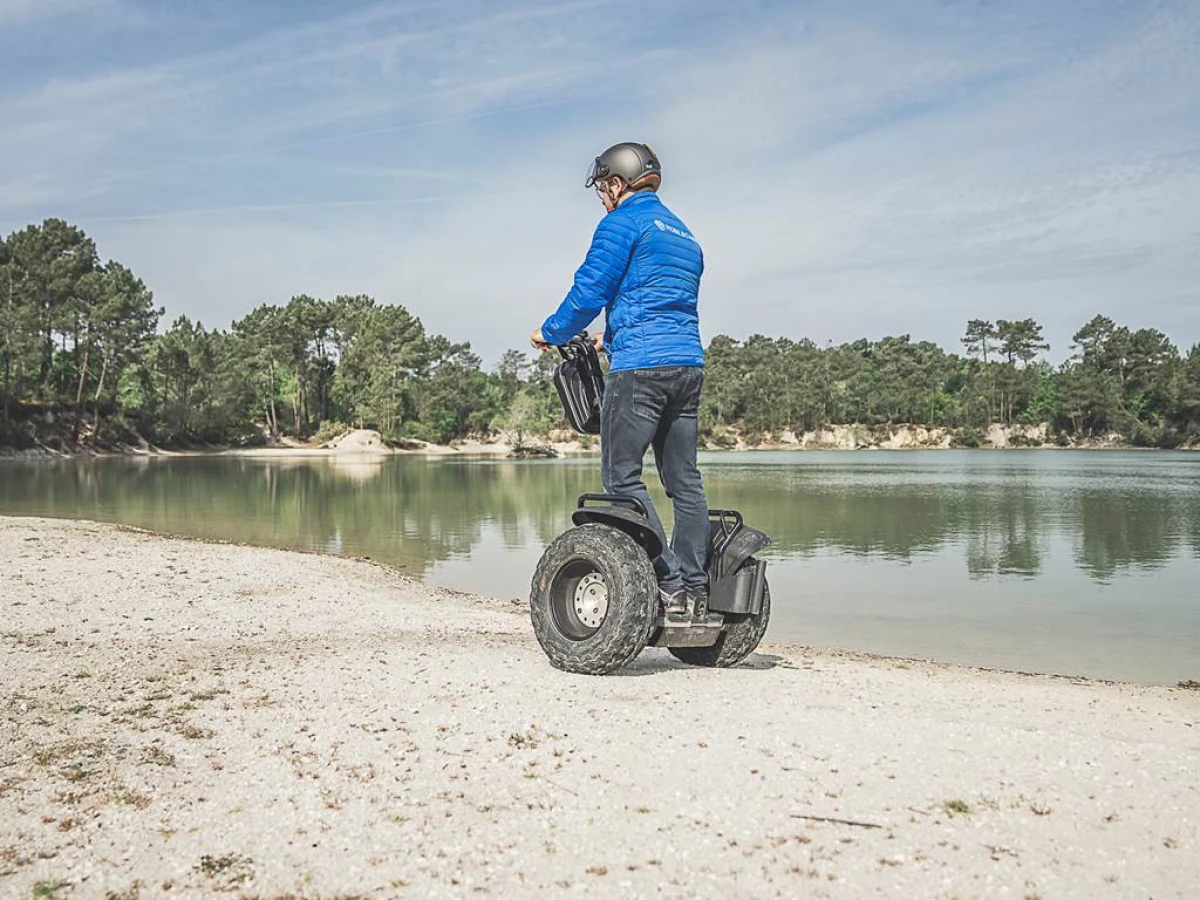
(1147, 434)
(722, 438)
(329, 430)
(967, 436)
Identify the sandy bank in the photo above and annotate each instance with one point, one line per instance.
(181, 718)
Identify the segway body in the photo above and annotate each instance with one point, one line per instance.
(594, 599)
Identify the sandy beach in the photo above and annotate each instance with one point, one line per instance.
(184, 719)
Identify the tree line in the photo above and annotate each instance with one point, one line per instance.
(1134, 383)
(81, 337)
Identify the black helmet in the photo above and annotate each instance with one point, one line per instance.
(636, 163)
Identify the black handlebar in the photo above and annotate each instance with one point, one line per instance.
(723, 514)
(580, 345)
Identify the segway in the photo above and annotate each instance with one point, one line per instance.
(594, 599)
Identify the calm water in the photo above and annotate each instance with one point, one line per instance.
(1053, 561)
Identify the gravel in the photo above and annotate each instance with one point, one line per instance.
(183, 718)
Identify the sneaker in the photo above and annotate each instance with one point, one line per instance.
(675, 603)
(697, 599)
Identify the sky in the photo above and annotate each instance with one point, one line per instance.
(851, 169)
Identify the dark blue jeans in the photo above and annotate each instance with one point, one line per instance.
(658, 408)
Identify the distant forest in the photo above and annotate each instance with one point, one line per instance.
(79, 339)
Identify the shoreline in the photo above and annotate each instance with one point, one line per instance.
(502, 451)
(367, 442)
(195, 716)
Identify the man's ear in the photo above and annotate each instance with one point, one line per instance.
(613, 189)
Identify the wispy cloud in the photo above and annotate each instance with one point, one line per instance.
(374, 72)
(849, 170)
(22, 12)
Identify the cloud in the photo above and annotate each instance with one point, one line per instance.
(23, 12)
(367, 73)
(849, 172)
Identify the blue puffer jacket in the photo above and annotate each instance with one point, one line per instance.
(643, 269)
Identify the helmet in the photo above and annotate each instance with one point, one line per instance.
(637, 164)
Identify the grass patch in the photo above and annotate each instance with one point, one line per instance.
(132, 798)
(210, 694)
(11, 860)
(26, 640)
(1190, 685)
(76, 772)
(133, 892)
(53, 753)
(49, 888)
(157, 756)
(231, 868)
(957, 807)
(70, 798)
(524, 740)
(9, 784)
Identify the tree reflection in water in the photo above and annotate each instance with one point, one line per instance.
(414, 512)
(1071, 562)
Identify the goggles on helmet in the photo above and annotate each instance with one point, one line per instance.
(596, 173)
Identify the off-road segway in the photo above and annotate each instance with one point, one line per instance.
(594, 599)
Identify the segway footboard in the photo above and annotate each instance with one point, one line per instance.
(690, 634)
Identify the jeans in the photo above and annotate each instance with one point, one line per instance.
(658, 407)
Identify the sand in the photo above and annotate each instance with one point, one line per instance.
(182, 719)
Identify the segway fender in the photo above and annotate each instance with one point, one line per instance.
(729, 551)
(626, 520)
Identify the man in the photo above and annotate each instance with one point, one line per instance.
(643, 270)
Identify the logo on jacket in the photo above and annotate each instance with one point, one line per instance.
(663, 226)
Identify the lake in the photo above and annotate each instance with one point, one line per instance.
(1066, 562)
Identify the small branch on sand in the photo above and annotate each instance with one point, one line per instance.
(998, 851)
(836, 821)
(561, 787)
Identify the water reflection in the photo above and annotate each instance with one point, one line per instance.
(981, 537)
(1009, 541)
(418, 511)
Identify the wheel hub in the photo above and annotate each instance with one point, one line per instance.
(591, 600)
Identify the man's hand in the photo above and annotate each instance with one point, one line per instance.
(537, 341)
(598, 341)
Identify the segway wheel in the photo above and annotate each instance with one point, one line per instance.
(593, 600)
(740, 638)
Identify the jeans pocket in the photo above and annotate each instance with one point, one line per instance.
(645, 397)
(688, 390)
